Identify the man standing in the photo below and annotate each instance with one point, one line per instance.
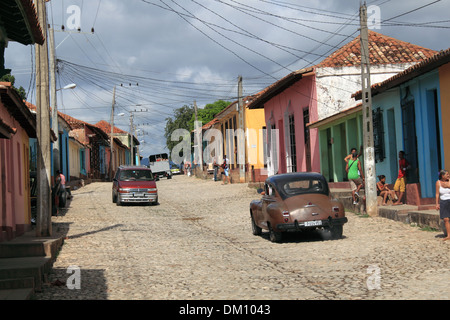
(216, 168)
(400, 183)
(355, 176)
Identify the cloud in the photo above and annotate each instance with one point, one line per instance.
(177, 61)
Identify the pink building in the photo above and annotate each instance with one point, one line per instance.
(289, 105)
(17, 126)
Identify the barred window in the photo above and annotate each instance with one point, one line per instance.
(378, 135)
(292, 143)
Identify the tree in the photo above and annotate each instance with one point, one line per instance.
(10, 78)
(180, 120)
(184, 118)
(208, 113)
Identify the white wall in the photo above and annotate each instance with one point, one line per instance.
(335, 86)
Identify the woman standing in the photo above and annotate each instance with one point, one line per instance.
(443, 199)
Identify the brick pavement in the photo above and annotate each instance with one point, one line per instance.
(197, 245)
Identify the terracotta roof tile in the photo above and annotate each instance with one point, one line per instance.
(435, 61)
(106, 127)
(382, 50)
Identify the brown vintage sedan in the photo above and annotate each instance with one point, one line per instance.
(296, 202)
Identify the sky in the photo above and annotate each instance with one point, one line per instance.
(161, 55)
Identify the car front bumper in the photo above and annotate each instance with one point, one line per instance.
(302, 225)
(135, 198)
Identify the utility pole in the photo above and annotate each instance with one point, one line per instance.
(241, 139)
(197, 129)
(131, 136)
(44, 201)
(54, 110)
(111, 156)
(132, 133)
(369, 154)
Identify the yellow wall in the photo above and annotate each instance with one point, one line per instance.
(74, 156)
(444, 79)
(254, 122)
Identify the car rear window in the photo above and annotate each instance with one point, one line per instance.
(298, 187)
(136, 175)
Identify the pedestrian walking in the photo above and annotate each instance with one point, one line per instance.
(61, 178)
(226, 169)
(443, 199)
(355, 176)
(353, 150)
(400, 183)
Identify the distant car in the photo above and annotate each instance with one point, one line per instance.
(296, 202)
(174, 169)
(160, 165)
(134, 184)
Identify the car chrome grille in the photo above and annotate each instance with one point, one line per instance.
(137, 190)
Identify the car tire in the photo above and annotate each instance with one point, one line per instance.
(255, 229)
(336, 232)
(114, 199)
(63, 199)
(118, 202)
(274, 236)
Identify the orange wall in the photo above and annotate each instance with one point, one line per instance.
(444, 79)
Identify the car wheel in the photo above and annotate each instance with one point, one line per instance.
(118, 202)
(114, 198)
(336, 232)
(255, 229)
(274, 236)
(63, 199)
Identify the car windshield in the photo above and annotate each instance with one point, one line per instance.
(136, 175)
(298, 187)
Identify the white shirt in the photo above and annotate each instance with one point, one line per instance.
(444, 193)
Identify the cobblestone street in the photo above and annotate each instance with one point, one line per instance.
(197, 244)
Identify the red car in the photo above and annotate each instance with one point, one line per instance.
(296, 202)
(134, 184)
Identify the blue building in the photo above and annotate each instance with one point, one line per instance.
(407, 114)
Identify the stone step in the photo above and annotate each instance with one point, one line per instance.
(30, 246)
(17, 294)
(18, 283)
(17, 268)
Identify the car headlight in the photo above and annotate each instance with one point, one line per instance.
(152, 190)
(124, 190)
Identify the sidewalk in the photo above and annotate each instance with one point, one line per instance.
(409, 214)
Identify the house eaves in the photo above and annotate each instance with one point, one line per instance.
(17, 108)
(279, 86)
(333, 118)
(234, 106)
(418, 69)
(20, 22)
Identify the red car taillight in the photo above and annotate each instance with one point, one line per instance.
(336, 211)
